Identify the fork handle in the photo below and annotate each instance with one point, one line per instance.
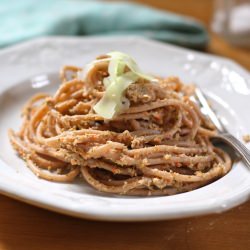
(238, 146)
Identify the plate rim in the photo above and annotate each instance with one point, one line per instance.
(210, 206)
(31, 198)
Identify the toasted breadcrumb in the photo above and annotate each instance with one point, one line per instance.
(246, 138)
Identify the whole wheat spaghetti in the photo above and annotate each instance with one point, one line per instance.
(157, 144)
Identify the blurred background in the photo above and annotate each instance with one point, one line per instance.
(219, 27)
(216, 15)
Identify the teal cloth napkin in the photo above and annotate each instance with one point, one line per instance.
(25, 19)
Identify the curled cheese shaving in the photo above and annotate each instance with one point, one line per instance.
(116, 83)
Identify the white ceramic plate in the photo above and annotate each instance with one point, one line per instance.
(226, 83)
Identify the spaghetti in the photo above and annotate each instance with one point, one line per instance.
(157, 145)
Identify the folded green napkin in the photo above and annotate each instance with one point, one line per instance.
(25, 19)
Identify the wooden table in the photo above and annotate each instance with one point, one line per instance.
(26, 227)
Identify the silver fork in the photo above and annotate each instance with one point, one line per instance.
(223, 134)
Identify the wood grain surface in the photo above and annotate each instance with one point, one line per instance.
(26, 227)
